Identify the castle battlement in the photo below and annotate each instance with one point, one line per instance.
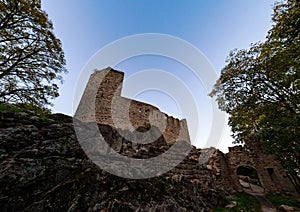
(102, 102)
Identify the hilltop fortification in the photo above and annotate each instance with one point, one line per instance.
(102, 102)
(236, 171)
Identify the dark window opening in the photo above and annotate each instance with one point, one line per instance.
(248, 174)
(272, 174)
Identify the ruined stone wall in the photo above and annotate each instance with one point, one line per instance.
(102, 102)
(215, 160)
(191, 169)
(109, 107)
(188, 170)
(271, 174)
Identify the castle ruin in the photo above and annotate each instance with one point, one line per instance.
(102, 103)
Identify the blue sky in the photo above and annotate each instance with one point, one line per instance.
(213, 26)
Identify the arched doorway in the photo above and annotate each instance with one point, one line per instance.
(249, 179)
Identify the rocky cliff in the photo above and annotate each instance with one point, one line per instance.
(43, 168)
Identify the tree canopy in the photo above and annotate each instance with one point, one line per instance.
(260, 87)
(32, 59)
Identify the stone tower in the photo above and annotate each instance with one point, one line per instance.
(102, 102)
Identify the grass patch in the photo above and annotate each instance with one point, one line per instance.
(23, 107)
(43, 115)
(278, 200)
(9, 108)
(245, 202)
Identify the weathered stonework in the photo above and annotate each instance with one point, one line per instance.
(208, 168)
(43, 168)
(271, 175)
(102, 102)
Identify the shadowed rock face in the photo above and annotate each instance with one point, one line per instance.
(43, 168)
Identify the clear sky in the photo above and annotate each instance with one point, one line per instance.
(213, 26)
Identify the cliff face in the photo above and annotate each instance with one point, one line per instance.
(43, 168)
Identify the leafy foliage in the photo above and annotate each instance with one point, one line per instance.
(260, 88)
(32, 58)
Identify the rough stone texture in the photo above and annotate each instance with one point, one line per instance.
(218, 163)
(271, 174)
(102, 102)
(43, 168)
(285, 208)
(209, 167)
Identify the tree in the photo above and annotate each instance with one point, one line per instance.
(32, 59)
(260, 88)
